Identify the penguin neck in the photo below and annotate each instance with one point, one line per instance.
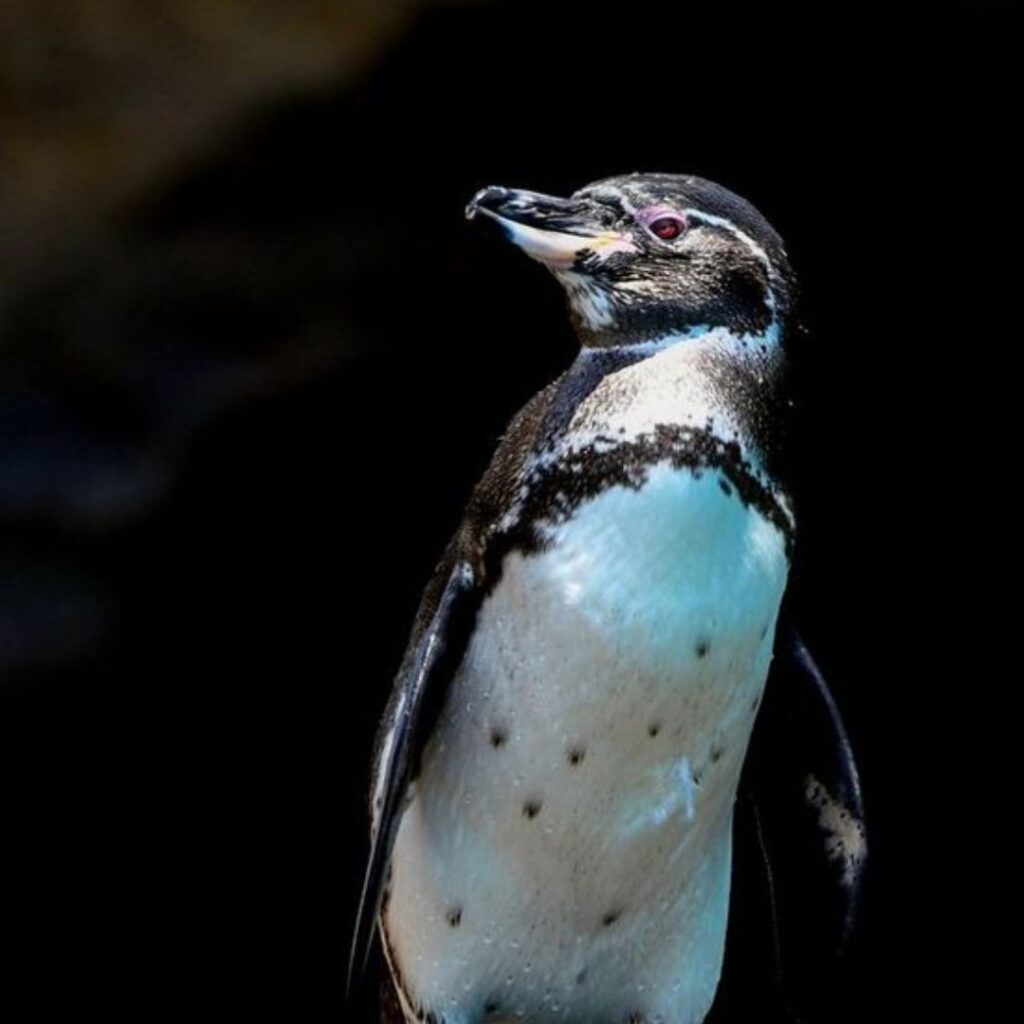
(735, 368)
(603, 319)
(733, 383)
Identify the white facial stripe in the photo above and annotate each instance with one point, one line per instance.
(741, 236)
(723, 222)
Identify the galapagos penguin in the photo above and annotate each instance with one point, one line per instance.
(555, 776)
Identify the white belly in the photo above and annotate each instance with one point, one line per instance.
(565, 854)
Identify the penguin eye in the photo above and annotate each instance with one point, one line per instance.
(666, 228)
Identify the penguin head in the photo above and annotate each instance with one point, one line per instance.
(647, 256)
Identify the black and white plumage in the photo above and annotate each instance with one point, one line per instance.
(555, 777)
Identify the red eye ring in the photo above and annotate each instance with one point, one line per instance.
(666, 228)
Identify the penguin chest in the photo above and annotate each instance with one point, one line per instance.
(565, 851)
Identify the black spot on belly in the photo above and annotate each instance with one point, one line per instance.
(532, 806)
(492, 1006)
(654, 728)
(716, 753)
(610, 917)
(581, 976)
(499, 737)
(702, 648)
(726, 489)
(764, 630)
(454, 916)
(574, 755)
(636, 1018)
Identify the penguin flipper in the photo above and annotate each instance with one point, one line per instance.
(437, 644)
(802, 774)
(835, 796)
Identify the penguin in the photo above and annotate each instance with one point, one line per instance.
(555, 777)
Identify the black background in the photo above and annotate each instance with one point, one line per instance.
(184, 798)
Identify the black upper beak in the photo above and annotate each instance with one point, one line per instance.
(533, 209)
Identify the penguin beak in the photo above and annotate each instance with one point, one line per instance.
(556, 232)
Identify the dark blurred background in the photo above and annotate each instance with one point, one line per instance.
(253, 359)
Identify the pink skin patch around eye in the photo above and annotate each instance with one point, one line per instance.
(650, 214)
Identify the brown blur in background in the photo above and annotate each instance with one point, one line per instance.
(252, 359)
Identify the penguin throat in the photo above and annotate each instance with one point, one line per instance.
(610, 317)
